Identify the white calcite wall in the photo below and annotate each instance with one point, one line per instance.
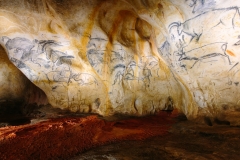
(127, 56)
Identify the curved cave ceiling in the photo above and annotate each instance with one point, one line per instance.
(132, 57)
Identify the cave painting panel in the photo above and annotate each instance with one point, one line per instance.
(201, 50)
(107, 63)
(40, 60)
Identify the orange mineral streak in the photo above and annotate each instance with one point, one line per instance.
(162, 63)
(107, 53)
(109, 47)
(65, 137)
(115, 26)
(230, 53)
(87, 32)
(141, 46)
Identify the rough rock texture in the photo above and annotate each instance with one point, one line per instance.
(185, 140)
(17, 94)
(62, 138)
(162, 136)
(127, 56)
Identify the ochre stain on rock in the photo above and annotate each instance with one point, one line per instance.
(126, 51)
(87, 32)
(65, 137)
(230, 53)
(143, 28)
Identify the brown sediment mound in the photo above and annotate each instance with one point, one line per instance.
(64, 137)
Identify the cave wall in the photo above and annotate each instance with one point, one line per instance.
(127, 56)
(12, 81)
(17, 94)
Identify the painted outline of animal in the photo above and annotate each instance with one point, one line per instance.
(85, 79)
(19, 64)
(164, 50)
(94, 42)
(58, 58)
(117, 56)
(120, 68)
(151, 63)
(118, 53)
(130, 75)
(59, 76)
(46, 46)
(200, 5)
(197, 30)
(20, 45)
(24, 68)
(201, 53)
(95, 57)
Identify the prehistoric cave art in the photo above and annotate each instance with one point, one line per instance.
(54, 65)
(129, 57)
(200, 5)
(203, 54)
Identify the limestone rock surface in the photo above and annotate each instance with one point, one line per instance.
(128, 56)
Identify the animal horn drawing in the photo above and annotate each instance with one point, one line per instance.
(177, 24)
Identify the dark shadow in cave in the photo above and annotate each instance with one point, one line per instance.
(19, 97)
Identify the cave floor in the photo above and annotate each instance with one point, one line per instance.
(185, 140)
(162, 136)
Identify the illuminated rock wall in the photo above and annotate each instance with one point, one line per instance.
(127, 56)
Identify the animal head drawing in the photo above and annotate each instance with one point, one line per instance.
(178, 25)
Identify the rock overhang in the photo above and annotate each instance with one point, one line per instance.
(130, 57)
